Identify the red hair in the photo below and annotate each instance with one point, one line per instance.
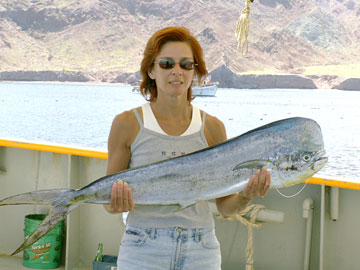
(148, 86)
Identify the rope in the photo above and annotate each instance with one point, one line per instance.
(242, 28)
(251, 225)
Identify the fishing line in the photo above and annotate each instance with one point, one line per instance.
(292, 196)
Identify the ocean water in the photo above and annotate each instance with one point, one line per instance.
(81, 115)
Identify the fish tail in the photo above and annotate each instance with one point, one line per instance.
(43, 197)
(55, 215)
(62, 202)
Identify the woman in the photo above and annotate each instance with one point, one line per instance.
(157, 237)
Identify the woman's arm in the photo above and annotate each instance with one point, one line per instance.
(123, 131)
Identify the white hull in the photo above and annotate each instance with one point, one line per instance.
(209, 90)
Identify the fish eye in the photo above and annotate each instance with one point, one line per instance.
(306, 158)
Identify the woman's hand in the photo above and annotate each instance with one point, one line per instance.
(258, 185)
(121, 199)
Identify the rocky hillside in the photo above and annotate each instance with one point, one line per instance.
(105, 38)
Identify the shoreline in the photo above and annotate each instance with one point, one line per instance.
(223, 75)
(99, 83)
(69, 82)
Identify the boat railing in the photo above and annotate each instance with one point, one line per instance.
(347, 183)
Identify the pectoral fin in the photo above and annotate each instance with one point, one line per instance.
(253, 165)
(184, 205)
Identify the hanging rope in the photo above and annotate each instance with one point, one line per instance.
(242, 28)
(251, 225)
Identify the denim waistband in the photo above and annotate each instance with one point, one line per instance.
(173, 232)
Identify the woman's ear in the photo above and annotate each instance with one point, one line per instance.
(151, 74)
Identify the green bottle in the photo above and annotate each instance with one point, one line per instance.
(99, 253)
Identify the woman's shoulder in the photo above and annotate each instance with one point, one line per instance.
(212, 121)
(127, 118)
(214, 130)
(126, 124)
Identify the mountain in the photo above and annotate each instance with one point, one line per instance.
(105, 39)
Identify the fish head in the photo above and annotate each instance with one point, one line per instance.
(301, 155)
(299, 166)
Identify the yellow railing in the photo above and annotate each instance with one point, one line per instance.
(346, 183)
(88, 152)
(54, 148)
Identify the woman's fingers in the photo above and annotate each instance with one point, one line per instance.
(131, 201)
(267, 182)
(125, 197)
(264, 182)
(113, 199)
(121, 199)
(256, 180)
(120, 204)
(258, 184)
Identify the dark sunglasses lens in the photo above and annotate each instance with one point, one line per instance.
(166, 64)
(187, 65)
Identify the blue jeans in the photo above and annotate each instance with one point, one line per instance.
(169, 249)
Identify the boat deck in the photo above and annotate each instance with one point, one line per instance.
(336, 219)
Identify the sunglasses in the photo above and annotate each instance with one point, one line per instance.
(169, 64)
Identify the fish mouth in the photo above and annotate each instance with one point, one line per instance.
(320, 161)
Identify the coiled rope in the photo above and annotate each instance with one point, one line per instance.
(242, 28)
(251, 225)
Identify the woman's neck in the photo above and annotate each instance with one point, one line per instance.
(173, 118)
(173, 109)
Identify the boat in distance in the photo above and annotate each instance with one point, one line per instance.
(206, 89)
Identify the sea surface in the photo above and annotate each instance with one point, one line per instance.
(81, 115)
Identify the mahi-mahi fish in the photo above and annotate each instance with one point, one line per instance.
(292, 149)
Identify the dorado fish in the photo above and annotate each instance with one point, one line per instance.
(292, 149)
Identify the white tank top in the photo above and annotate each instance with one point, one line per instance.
(151, 123)
(153, 144)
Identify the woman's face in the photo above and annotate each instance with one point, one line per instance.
(175, 80)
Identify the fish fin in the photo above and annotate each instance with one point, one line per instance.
(44, 197)
(184, 205)
(55, 215)
(253, 164)
(62, 202)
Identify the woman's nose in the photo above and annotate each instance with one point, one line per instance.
(177, 69)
